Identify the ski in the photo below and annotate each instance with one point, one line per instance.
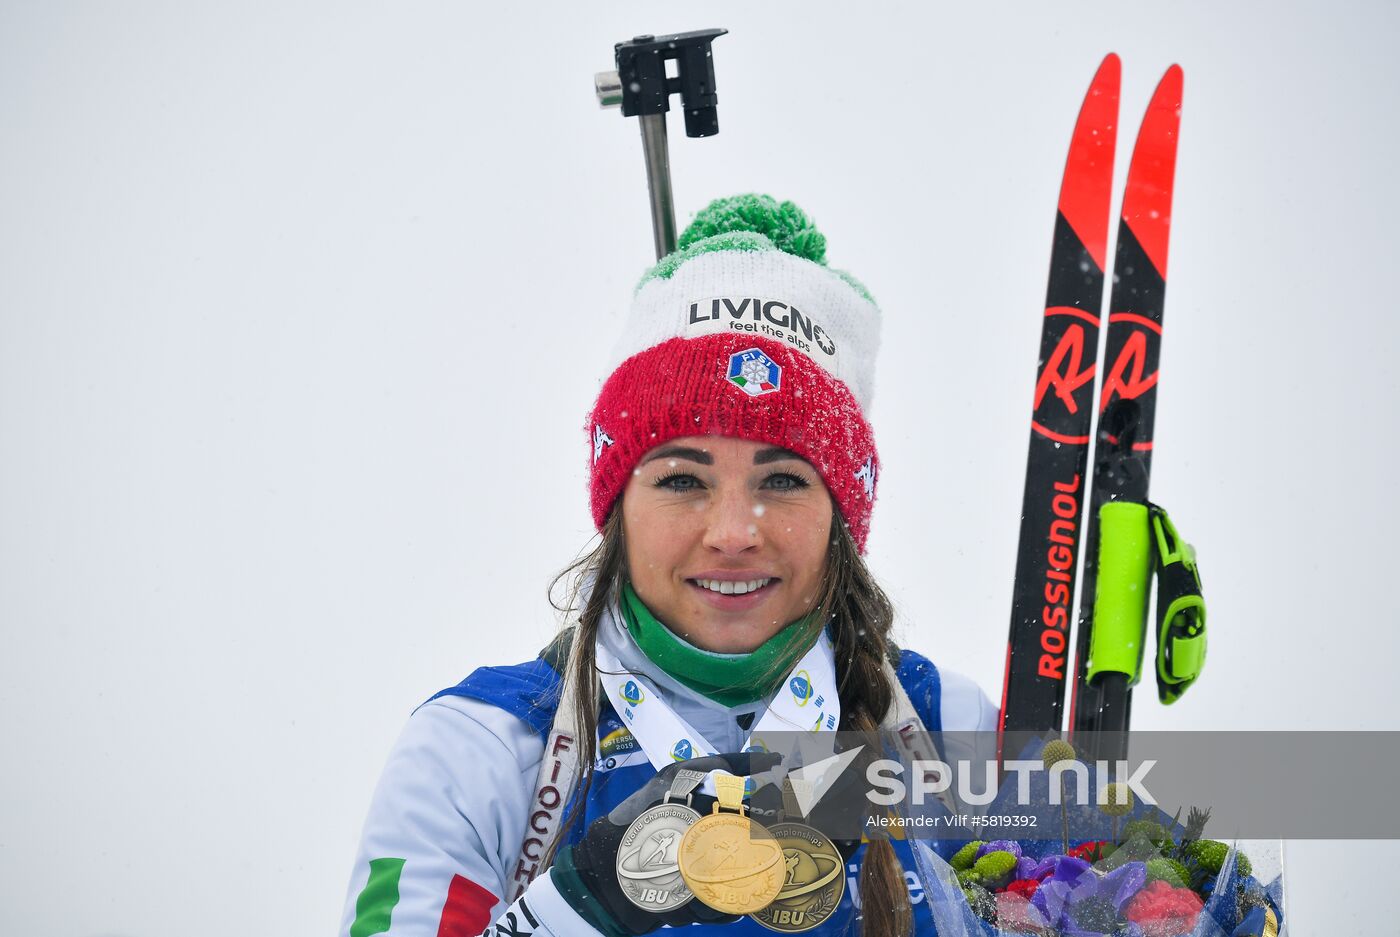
(1033, 687)
(1101, 702)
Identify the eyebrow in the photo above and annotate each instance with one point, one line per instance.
(681, 452)
(762, 457)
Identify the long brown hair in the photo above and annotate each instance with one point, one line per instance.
(861, 617)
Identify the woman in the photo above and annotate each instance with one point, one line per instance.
(732, 477)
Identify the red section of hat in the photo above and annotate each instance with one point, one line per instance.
(681, 388)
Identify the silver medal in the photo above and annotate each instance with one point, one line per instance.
(647, 868)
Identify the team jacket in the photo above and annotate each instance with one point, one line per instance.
(441, 846)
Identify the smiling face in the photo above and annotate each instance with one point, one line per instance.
(726, 539)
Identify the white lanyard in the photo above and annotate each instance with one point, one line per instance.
(806, 702)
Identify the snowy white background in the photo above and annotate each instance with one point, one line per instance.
(302, 305)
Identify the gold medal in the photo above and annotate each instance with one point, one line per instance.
(727, 860)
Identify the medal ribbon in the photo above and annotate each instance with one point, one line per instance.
(806, 701)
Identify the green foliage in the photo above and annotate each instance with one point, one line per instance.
(1098, 852)
(966, 856)
(1169, 871)
(1101, 852)
(995, 868)
(1196, 822)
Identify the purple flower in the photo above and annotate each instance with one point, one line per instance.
(999, 845)
(1062, 868)
(1083, 903)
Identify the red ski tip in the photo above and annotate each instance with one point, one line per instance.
(1147, 201)
(1088, 182)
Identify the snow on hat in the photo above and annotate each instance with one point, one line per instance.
(744, 331)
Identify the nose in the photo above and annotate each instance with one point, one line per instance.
(731, 526)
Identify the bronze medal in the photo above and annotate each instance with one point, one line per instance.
(813, 883)
(726, 859)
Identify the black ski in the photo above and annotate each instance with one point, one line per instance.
(1037, 651)
(1128, 398)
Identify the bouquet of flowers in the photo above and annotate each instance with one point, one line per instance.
(1149, 877)
(1135, 888)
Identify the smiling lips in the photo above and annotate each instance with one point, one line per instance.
(731, 593)
(732, 587)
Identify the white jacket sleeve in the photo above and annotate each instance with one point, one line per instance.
(969, 721)
(965, 707)
(444, 831)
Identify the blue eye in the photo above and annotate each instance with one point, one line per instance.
(778, 481)
(678, 481)
(785, 481)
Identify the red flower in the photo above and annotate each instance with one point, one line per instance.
(1089, 852)
(1163, 910)
(1025, 887)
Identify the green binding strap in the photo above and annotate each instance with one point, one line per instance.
(1181, 619)
(1120, 592)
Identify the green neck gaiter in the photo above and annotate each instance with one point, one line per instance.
(728, 679)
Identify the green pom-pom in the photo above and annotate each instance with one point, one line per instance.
(968, 877)
(964, 857)
(782, 223)
(981, 901)
(995, 868)
(1169, 871)
(1055, 752)
(1209, 855)
(754, 223)
(1150, 830)
(1120, 800)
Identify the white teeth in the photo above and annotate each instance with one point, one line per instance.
(728, 587)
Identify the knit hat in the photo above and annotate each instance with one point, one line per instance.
(744, 331)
